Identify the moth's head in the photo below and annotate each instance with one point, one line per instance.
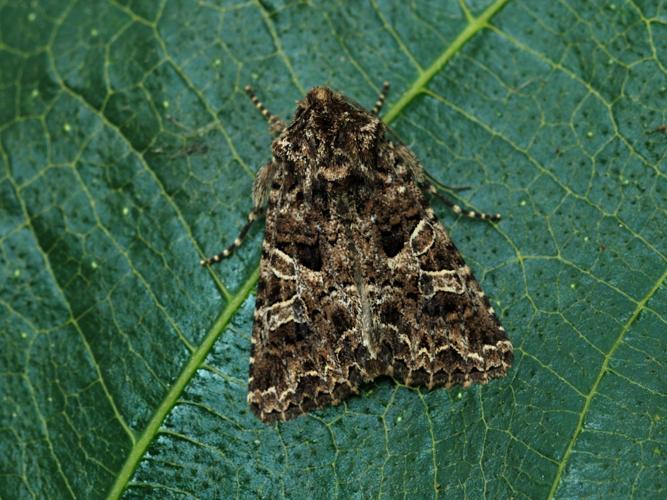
(333, 136)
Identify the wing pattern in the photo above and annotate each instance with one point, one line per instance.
(359, 279)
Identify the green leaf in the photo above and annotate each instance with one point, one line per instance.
(127, 152)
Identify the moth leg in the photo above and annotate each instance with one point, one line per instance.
(457, 209)
(456, 189)
(260, 191)
(380, 100)
(253, 215)
(262, 184)
(276, 125)
(428, 178)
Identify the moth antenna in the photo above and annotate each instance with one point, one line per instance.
(457, 209)
(253, 215)
(380, 100)
(276, 125)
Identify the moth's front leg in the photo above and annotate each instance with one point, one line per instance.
(260, 192)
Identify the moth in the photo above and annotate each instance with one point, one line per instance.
(358, 278)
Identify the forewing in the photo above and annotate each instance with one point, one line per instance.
(361, 282)
(434, 324)
(306, 311)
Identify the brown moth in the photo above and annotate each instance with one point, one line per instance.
(358, 278)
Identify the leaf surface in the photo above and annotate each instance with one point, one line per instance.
(127, 152)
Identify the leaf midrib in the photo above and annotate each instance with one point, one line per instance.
(474, 26)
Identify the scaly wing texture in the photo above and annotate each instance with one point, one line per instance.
(302, 357)
(434, 322)
(360, 283)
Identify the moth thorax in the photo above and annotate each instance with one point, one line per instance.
(342, 172)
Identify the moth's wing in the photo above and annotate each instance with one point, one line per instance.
(434, 322)
(306, 314)
(359, 286)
